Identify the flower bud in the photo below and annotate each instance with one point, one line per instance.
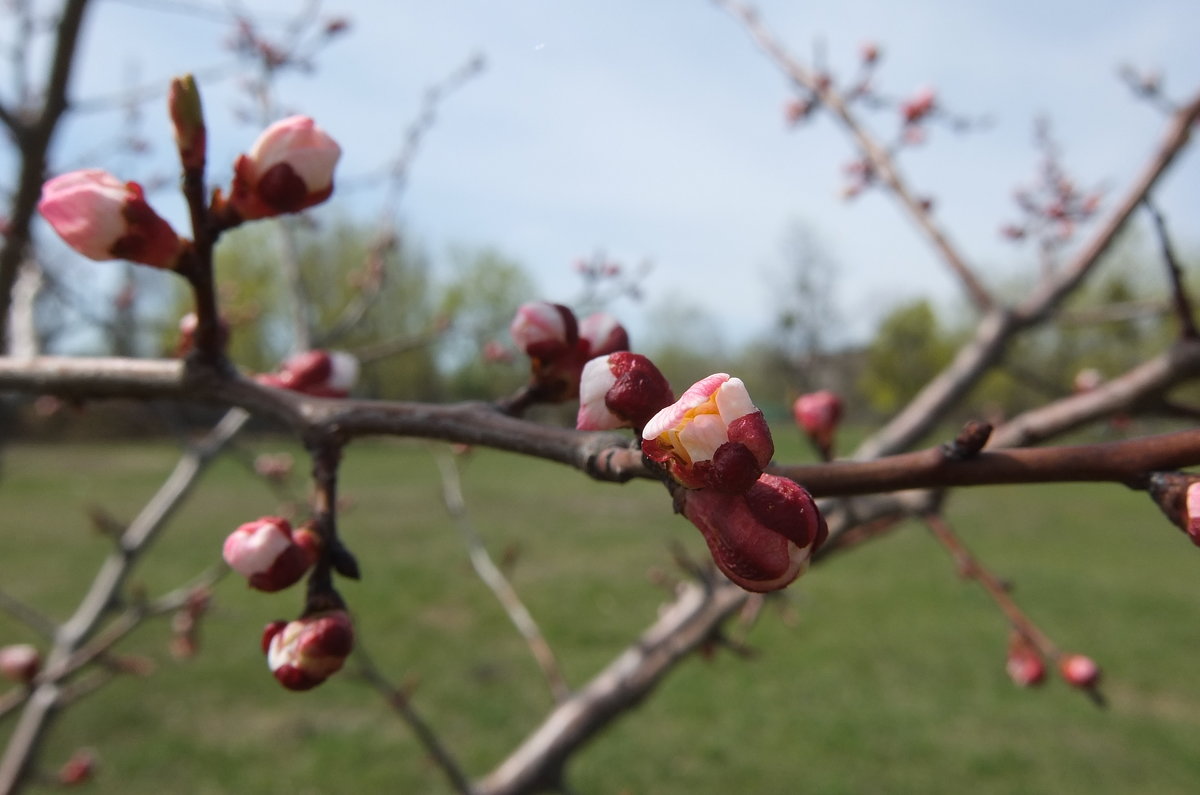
(544, 331)
(268, 554)
(1192, 511)
(79, 768)
(1079, 670)
(620, 390)
(304, 653)
(712, 437)
(818, 414)
(20, 662)
(317, 373)
(1024, 664)
(103, 218)
(603, 334)
(763, 539)
(289, 169)
(918, 106)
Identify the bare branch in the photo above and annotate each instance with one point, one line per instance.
(682, 627)
(489, 572)
(1183, 304)
(882, 163)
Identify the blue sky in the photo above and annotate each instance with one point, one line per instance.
(653, 130)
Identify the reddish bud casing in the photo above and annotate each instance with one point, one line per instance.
(304, 653)
(269, 555)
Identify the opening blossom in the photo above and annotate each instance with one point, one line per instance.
(304, 653)
(269, 555)
(288, 169)
(713, 437)
(104, 218)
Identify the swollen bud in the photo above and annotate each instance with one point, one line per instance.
(1079, 671)
(763, 539)
(621, 390)
(304, 653)
(104, 218)
(1025, 666)
(317, 373)
(269, 555)
(20, 662)
(818, 415)
(289, 169)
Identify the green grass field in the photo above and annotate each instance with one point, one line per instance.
(890, 680)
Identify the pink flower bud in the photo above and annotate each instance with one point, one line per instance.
(621, 390)
(869, 52)
(1024, 664)
(79, 768)
(1079, 671)
(103, 218)
(269, 554)
(317, 373)
(20, 662)
(304, 653)
(289, 169)
(712, 437)
(544, 331)
(918, 106)
(1193, 512)
(603, 334)
(763, 539)
(818, 414)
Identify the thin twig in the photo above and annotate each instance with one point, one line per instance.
(400, 702)
(1183, 303)
(493, 577)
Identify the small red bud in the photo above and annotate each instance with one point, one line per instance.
(1079, 671)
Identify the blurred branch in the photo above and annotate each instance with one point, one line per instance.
(684, 625)
(882, 163)
(1183, 304)
(489, 572)
(32, 139)
(400, 702)
(47, 697)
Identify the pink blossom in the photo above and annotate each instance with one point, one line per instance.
(268, 554)
(762, 539)
(620, 390)
(712, 437)
(289, 169)
(304, 653)
(104, 218)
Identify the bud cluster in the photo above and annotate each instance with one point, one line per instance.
(558, 345)
(713, 442)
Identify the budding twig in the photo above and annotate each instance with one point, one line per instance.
(1183, 303)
